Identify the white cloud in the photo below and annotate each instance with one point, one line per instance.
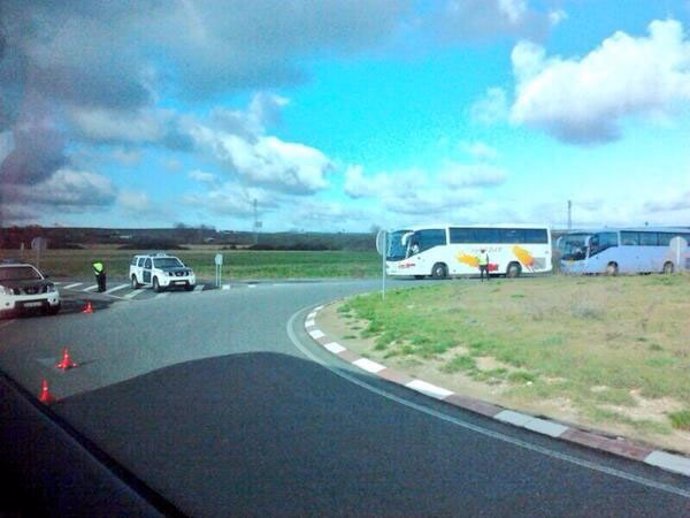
(116, 125)
(583, 100)
(484, 19)
(137, 202)
(419, 192)
(459, 176)
(557, 16)
(240, 143)
(479, 150)
(202, 177)
(70, 188)
(514, 10)
(492, 108)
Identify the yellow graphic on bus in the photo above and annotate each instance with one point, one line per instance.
(523, 256)
(471, 260)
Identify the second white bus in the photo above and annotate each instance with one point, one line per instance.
(625, 250)
(441, 251)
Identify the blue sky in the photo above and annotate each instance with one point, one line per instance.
(337, 115)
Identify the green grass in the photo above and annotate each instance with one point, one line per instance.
(237, 264)
(623, 334)
(680, 420)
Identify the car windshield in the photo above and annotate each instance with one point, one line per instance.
(167, 262)
(19, 273)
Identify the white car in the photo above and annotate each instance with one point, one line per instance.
(24, 289)
(160, 271)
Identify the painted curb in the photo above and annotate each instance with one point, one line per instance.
(622, 447)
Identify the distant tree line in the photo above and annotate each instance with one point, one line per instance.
(182, 235)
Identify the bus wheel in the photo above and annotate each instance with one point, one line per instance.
(612, 269)
(439, 271)
(668, 267)
(513, 270)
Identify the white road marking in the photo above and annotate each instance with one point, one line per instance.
(117, 288)
(316, 334)
(429, 389)
(335, 347)
(73, 285)
(668, 461)
(368, 365)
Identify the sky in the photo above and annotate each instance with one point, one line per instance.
(344, 115)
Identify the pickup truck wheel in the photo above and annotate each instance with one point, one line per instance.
(135, 283)
(156, 285)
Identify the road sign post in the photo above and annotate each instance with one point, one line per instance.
(219, 269)
(381, 248)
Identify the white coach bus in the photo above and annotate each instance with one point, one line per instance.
(625, 250)
(441, 251)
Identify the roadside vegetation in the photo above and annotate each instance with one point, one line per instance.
(237, 264)
(608, 352)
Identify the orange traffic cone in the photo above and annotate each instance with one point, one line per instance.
(88, 308)
(45, 396)
(66, 362)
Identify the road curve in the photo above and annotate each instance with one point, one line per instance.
(220, 404)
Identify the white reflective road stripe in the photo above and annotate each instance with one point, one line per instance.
(335, 347)
(368, 365)
(117, 288)
(429, 389)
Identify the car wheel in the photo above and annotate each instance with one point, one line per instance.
(668, 268)
(439, 271)
(156, 285)
(513, 270)
(612, 269)
(135, 283)
(189, 287)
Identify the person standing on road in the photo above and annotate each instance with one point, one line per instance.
(99, 272)
(483, 265)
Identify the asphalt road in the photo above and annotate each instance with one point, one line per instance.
(217, 403)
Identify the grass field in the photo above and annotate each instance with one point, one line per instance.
(237, 264)
(611, 351)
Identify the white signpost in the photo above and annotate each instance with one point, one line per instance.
(219, 269)
(381, 248)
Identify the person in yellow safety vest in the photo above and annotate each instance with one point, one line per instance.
(483, 265)
(99, 272)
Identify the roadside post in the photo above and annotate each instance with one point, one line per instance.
(381, 247)
(219, 269)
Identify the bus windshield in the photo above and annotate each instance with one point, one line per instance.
(573, 247)
(397, 246)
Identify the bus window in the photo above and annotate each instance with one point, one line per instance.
(429, 238)
(602, 241)
(487, 235)
(649, 239)
(630, 238)
(461, 235)
(537, 236)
